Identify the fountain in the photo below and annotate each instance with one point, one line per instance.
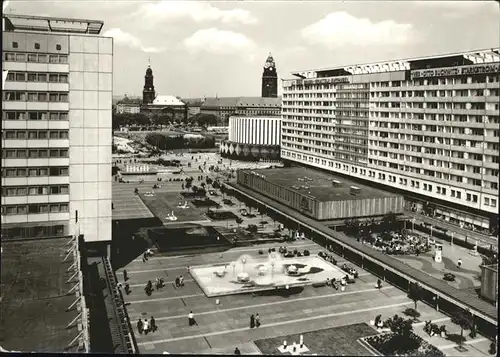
(250, 274)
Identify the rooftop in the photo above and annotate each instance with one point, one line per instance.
(35, 296)
(462, 58)
(15, 22)
(166, 100)
(319, 185)
(240, 102)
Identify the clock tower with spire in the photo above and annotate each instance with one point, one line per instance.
(148, 93)
(270, 79)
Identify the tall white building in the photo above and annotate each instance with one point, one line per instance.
(427, 126)
(56, 128)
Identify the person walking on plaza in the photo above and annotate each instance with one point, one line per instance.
(237, 351)
(191, 319)
(127, 289)
(146, 327)
(181, 281)
(252, 321)
(140, 326)
(459, 263)
(153, 324)
(125, 276)
(257, 320)
(379, 284)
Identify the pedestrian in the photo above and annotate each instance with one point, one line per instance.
(153, 324)
(140, 326)
(459, 262)
(379, 284)
(252, 321)
(181, 281)
(177, 281)
(127, 288)
(257, 320)
(125, 275)
(191, 319)
(144, 257)
(237, 351)
(146, 327)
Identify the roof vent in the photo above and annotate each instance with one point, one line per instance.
(354, 190)
(336, 183)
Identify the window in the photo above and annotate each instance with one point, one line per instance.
(32, 58)
(53, 78)
(53, 59)
(493, 202)
(58, 47)
(54, 135)
(486, 201)
(15, 45)
(37, 46)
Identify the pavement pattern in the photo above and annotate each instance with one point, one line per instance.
(222, 327)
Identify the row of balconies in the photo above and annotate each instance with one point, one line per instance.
(42, 143)
(20, 200)
(32, 181)
(35, 106)
(34, 124)
(35, 162)
(35, 67)
(40, 217)
(36, 86)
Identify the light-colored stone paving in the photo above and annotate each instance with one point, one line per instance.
(220, 328)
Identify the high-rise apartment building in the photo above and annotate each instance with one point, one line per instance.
(56, 128)
(427, 126)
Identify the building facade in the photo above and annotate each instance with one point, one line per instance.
(270, 79)
(252, 138)
(223, 108)
(428, 127)
(56, 128)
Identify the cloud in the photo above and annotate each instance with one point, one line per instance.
(198, 11)
(124, 38)
(340, 28)
(220, 42)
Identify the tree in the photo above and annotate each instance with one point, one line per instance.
(195, 189)
(415, 293)
(203, 184)
(464, 320)
(403, 339)
(389, 221)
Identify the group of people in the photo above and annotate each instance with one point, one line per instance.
(350, 270)
(254, 320)
(328, 257)
(146, 327)
(179, 281)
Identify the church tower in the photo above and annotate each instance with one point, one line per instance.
(270, 79)
(148, 93)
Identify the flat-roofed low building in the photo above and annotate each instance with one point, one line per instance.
(319, 195)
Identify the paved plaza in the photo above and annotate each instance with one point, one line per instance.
(223, 320)
(222, 327)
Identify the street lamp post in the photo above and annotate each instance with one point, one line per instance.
(452, 233)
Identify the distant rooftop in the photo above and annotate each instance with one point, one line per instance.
(15, 22)
(259, 102)
(318, 185)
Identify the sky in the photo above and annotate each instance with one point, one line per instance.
(208, 48)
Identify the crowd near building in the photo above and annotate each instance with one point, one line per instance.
(427, 127)
(56, 128)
